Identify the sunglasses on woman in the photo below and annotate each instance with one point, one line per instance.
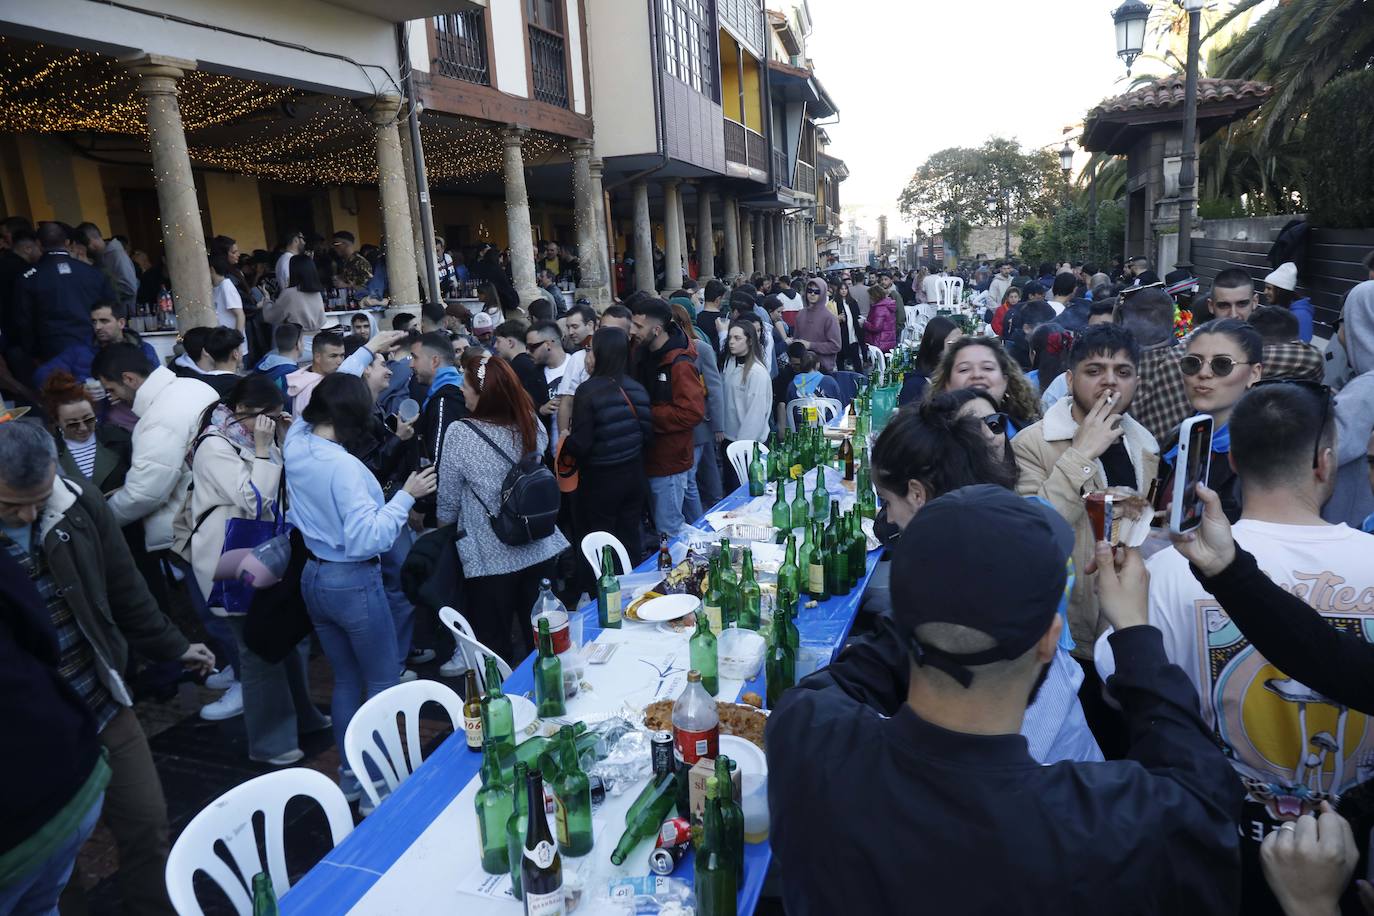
(1222, 366)
(997, 422)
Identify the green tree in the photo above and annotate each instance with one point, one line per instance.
(1341, 178)
(1065, 234)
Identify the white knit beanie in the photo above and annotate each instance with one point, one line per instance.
(1285, 276)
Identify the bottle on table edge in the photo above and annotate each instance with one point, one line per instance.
(472, 712)
(608, 592)
(572, 796)
(541, 867)
(548, 677)
(517, 825)
(494, 805)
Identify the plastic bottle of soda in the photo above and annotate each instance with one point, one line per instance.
(696, 734)
(548, 606)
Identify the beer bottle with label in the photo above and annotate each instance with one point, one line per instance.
(696, 734)
(516, 826)
(712, 601)
(702, 648)
(472, 712)
(494, 805)
(758, 481)
(548, 677)
(498, 719)
(836, 554)
(572, 800)
(608, 592)
(750, 595)
(780, 667)
(729, 586)
(264, 896)
(816, 566)
(731, 815)
(801, 509)
(665, 556)
(847, 458)
(541, 868)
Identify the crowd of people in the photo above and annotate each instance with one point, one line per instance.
(1161, 770)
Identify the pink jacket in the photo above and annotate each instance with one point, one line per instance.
(881, 327)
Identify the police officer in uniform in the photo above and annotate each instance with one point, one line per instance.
(54, 297)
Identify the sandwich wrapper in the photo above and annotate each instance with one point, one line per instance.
(1119, 515)
(257, 567)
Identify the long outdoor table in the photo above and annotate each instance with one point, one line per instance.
(403, 858)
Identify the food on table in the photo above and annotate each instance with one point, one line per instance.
(743, 721)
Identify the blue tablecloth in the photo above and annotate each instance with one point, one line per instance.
(341, 879)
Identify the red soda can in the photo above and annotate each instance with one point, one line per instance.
(676, 831)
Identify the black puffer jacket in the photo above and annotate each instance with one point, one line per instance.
(611, 422)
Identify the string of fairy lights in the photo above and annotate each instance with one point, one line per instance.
(242, 126)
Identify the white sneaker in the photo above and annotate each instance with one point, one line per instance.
(454, 667)
(222, 679)
(406, 676)
(283, 760)
(227, 706)
(420, 656)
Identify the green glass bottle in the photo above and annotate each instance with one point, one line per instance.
(516, 827)
(572, 800)
(801, 511)
(793, 634)
(498, 719)
(782, 512)
(608, 592)
(731, 815)
(780, 666)
(714, 882)
(836, 554)
(820, 497)
(729, 586)
(858, 548)
(647, 814)
(702, 648)
(533, 751)
(548, 676)
(495, 804)
(816, 565)
(863, 489)
(803, 562)
(789, 574)
(750, 596)
(758, 481)
(713, 600)
(264, 896)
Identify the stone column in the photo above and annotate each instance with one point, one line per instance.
(682, 229)
(603, 244)
(589, 253)
(706, 244)
(766, 253)
(417, 232)
(789, 244)
(183, 236)
(518, 218)
(643, 238)
(402, 278)
(730, 208)
(672, 235)
(746, 242)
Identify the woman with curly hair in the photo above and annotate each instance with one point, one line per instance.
(980, 362)
(99, 452)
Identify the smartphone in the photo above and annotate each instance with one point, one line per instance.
(1194, 461)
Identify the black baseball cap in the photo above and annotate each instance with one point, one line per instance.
(940, 573)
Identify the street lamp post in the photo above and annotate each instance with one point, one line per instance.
(1066, 165)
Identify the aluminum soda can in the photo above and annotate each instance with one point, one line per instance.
(664, 859)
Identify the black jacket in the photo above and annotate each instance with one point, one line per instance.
(44, 716)
(487, 272)
(611, 422)
(54, 299)
(439, 412)
(531, 378)
(878, 814)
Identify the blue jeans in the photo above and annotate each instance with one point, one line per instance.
(402, 611)
(36, 893)
(666, 496)
(709, 475)
(691, 498)
(226, 647)
(276, 698)
(348, 606)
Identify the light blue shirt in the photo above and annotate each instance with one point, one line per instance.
(1057, 389)
(1054, 726)
(335, 502)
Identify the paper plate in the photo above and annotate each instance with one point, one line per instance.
(752, 763)
(668, 607)
(523, 710)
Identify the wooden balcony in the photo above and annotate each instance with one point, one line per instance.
(745, 147)
(805, 180)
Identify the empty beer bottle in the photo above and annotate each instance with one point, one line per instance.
(264, 897)
(472, 712)
(715, 883)
(804, 562)
(608, 592)
(572, 799)
(816, 565)
(847, 458)
(820, 497)
(713, 600)
(858, 548)
(790, 624)
(789, 576)
(750, 595)
(702, 648)
(541, 867)
(494, 805)
(647, 814)
(517, 825)
(729, 586)
(548, 677)
(780, 668)
(498, 719)
(867, 501)
(836, 554)
(731, 815)
(801, 510)
(758, 481)
(782, 512)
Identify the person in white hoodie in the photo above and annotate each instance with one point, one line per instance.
(1352, 500)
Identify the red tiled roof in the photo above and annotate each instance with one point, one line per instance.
(1168, 93)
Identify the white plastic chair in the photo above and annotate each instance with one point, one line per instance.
(376, 719)
(913, 314)
(951, 291)
(877, 357)
(739, 452)
(229, 819)
(591, 551)
(473, 651)
(826, 408)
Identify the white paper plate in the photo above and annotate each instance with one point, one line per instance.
(752, 763)
(668, 607)
(523, 710)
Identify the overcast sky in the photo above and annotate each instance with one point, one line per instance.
(910, 79)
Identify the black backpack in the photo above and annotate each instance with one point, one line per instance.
(529, 498)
